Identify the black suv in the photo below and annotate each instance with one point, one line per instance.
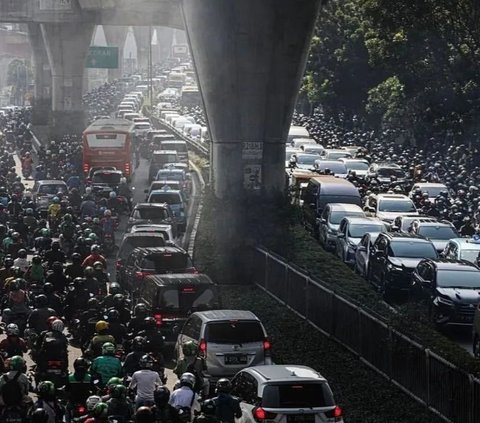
(143, 262)
(451, 289)
(393, 258)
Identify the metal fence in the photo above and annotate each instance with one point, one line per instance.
(439, 385)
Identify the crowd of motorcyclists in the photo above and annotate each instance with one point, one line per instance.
(56, 295)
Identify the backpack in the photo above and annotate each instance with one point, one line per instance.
(184, 414)
(52, 346)
(12, 391)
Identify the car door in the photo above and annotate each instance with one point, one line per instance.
(377, 259)
(323, 226)
(361, 254)
(427, 282)
(245, 387)
(340, 239)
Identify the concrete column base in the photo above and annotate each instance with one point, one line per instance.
(41, 109)
(67, 122)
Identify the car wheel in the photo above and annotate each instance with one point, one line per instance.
(476, 346)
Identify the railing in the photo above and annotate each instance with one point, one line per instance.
(434, 382)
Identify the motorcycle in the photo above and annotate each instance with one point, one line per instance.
(55, 372)
(13, 414)
(108, 243)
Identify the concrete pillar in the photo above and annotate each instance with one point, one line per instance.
(115, 36)
(142, 39)
(67, 50)
(42, 101)
(165, 39)
(250, 57)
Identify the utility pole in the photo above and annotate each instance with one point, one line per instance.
(150, 65)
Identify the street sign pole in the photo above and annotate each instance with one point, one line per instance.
(150, 65)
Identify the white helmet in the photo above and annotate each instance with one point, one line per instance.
(12, 329)
(58, 325)
(123, 180)
(88, 190)
(91, 402)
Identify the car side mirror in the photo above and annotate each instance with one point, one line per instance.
(361, 248)
(341, 236)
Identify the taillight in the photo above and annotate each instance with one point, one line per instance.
(127, 169)
(158, 319)
(141, 275)
(336, 414)
(81, 410)
(119, 264)
(191, 270)
(202, 347)
(86, 167)
(260, 414)
(267, 346)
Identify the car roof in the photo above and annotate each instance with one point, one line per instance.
(466, 243)
(452, 264)
(159, 250)
(51, 182)
(226, 315)
(344, 207)
(164, 191)
(435, 223)
(285, 373)
(360, 220)
(429, 184)
(141, 234)
(400, 236)
(149, 205)
(387, 165)
(159, 152)
(392, 197)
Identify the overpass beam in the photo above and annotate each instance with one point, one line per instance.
(250, 57)
(116, 36)
(142, 39)
(67, 50)
(42, 101)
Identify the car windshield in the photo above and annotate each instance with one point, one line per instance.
(150, 213)
(386, 172)
(437, 232)
(139, 241)
(458, 279)
(51, 189)
(357, 166)
(412, 249)
(400, 206)
(186, 298)
(337, 216)
(167, 262)
(234, 332)
(106, 178)
(306, 159)
(335, 167)
(166, 197)
(169, 175)
(469, 255)
(299, 395)
(357, 231)
(434, 191)
(334, 155)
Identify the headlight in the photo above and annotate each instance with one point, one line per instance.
(443, 301)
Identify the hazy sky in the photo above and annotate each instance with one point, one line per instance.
(130, 50)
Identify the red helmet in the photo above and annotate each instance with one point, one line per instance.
(50, 320)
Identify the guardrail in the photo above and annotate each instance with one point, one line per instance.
(442, 387)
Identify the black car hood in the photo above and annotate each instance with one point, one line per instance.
(409, 263)
(461, 295)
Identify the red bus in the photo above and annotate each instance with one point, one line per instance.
(108, 142)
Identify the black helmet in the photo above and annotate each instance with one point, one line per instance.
(209, 407)
(80, 364)
(93, 303)
(57, 267)
(140, 310)
(48, 288)
(146, 362)
(55, 246)
(36, 260)
(138, 343)
(76, 258)
(161, 395)
(79, 282)
(114, 288)
(41, 301)
(8, 262)
(224, 386)
(144, 415)
(113, 315)
(39, 416)
(118, 299)
(149, 323)
(22, 253)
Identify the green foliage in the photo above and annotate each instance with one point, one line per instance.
(363, 50)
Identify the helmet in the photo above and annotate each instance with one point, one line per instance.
(8, 262)
(57, 325)
(76, 257)
(36, 260)
(56, 200)
(108, 348)
(15, 235)
(140, 310)
(146, 362)
(161, 395)
(144, 415)
(112, 194)
(209, 407)
(41, 301)
(113, 381)
(45, 232)
(98, 265)
(67, 217)
(118, 299)
(40, 415)
(107, 212)
(22, 253)
(187, 379)
(113, 315)
(79, 283)
(189, 348)
(94, 248)
(101, 325)
(100, 410)
(55, 246)
(93, 237)
(50, 320)
(118, 391)
(46, 388)
(12, 329)
(149, 323)
(93, 303)
(138, 343)
(91, 402)
(17, 363)
(80, 364)
(224, 386)
(89, 271)
(114, 288)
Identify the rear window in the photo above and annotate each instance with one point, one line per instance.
(163, 263)
(300, 395)
(151, 213)
(140, 241)
(51, 189)
(187, 298)
(169, 198)
(169, 175)
(164, 158)
(180, 146)
(106, 178)
(234, 332)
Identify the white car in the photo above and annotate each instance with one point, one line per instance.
(432, 189)
(360, 166)
(285, 393)
(388, 206)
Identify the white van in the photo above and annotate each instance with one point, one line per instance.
(297, 132)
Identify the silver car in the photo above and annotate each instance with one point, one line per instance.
(285, 394)
(362, 253)
(230, 340)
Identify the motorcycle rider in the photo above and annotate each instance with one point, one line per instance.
(47, 399)
(54, 254)
(227, 407)
(77, 298)
(135, 324)
(57, 278)
(89, 320)
(119, 405)
(131, 363)
(35, 272)
(101, 337)
(94, 257)
(13, 345)
(108, 224)
(14, 385)
(164, 412)
(119, 304)
(144, 381)
(79, 386)
(74, 269)
(52, 346)
(54, 301)
(6, 271)
(99, 414)
(195, 364)
(113, 289)
(107, 365)
(184, 399)
(100, 275)
(125, 191)
(22, 261)
(44, 241)
(38, 319)
(467, 229)
(116, 328)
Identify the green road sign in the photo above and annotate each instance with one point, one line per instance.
(102, 57)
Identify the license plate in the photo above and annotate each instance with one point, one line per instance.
(236, 359)
(300, 418)
(55, 371)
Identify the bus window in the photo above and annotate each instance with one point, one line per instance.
(106, 140)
